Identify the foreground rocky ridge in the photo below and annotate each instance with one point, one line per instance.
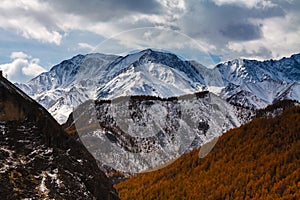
(38, 159)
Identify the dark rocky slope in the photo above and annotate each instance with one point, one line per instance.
(38, 159)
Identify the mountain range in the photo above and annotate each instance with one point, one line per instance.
(141, 112)
(247, 83)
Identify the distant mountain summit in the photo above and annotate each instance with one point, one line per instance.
(256, 84)
(38, 160)
(249, 83)
(150, 73)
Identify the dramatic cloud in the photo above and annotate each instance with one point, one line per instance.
(242, 32)
(22, 67)
(95, 10)
(229, 28)
(219, 25)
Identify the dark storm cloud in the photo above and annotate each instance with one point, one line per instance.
(261, 51)
(105, 10)
(221, 24)
(242, 32)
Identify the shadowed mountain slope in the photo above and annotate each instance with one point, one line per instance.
(38, 159)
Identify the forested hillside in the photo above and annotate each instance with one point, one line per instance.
(259, 160)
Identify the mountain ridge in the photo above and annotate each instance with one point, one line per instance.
(139, 133)
(249, 83)
(39, 159)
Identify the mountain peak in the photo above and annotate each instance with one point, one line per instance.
(296, 57)
(149, 50)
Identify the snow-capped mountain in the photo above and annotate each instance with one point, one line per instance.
(150, 73)
(249, 83)
(68, 84)
(256, 84)
(92, 76)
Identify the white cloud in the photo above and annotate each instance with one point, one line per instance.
(85, 46)
(18, 54)
(33, 68)
(22, 67)
(31, 19)
(248, 3)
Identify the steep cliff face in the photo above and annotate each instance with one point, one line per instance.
(38, 159)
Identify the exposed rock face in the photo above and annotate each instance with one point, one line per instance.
(140, 133)
(38, 159)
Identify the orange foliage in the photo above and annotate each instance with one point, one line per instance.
(260, 160)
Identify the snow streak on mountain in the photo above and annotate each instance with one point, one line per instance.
(249, 83)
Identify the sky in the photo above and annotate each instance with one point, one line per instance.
(37, 34)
